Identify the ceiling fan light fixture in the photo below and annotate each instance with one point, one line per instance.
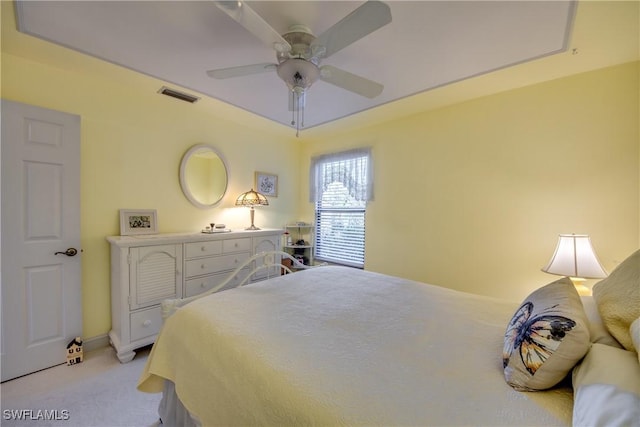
(298, 73)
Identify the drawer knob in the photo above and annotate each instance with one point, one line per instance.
(202, 285)
(236, 245)
(203, 249)
(202, 266)
(146, 323)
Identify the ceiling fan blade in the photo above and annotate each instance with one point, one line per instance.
(350, 82)
(252, 22)
(362, 21)
(242, 70)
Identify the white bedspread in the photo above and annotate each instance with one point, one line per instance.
(340, 346)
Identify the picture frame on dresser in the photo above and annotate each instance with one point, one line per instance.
(138, 221)
(267, 184)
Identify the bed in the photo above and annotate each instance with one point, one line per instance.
(341, 346)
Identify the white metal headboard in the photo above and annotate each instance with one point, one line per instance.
(263, 260)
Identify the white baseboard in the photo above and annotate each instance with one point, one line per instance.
(95, 343)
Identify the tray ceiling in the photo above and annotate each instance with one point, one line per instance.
(427, 45)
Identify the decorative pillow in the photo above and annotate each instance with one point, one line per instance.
(546, 337)
(597, 330)
(618, 299)
(607, 388)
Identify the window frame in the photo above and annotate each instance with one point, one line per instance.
(361, 192)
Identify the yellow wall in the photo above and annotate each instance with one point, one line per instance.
(470, 196)
(133, 140)
(473, 196)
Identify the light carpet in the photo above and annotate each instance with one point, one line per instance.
(99, 392)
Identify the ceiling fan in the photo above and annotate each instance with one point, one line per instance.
(299, 52)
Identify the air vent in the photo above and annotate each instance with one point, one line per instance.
(178, 95)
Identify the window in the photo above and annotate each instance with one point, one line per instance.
(340, 186)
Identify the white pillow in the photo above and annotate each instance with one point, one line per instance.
(607, 388)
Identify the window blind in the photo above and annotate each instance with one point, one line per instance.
(340, 236)
(342, 183)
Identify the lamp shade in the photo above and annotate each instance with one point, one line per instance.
(575, 257)
(251, 198)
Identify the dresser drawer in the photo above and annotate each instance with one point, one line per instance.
(145, 323)
(202, 266)
(199, 249)
(198, 285)
(236, 245)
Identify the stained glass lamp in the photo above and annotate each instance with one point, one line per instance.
(252, 198)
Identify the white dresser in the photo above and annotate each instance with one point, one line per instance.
(147, 269)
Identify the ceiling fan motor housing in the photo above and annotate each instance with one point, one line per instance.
(300, 39)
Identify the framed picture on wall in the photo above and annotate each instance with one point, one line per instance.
(138, 221)
(267, 184)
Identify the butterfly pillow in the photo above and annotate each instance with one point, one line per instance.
(546, 337)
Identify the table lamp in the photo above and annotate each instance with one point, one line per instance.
(252, 198)
(575, 258)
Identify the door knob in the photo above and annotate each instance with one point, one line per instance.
(68, 252)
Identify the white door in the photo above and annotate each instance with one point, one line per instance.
(41, 293)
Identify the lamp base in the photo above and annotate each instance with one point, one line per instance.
(252, 214)
(580, 287)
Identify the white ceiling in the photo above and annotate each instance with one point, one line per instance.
(427, 45)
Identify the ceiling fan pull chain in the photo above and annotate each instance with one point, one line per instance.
(293, 110)
(298, 109)
(297, 113)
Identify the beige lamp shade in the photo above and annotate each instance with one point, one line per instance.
(575, 257)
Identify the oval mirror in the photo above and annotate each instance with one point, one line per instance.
(203, 176)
